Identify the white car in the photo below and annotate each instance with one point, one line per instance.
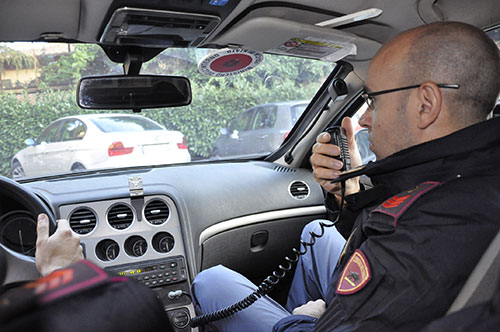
(96, 141)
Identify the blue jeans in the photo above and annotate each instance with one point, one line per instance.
(218, 287)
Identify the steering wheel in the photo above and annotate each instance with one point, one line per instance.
(25, 268)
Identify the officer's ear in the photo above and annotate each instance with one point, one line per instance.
(429, 104)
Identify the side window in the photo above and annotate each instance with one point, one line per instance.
(361, 136)
(265, 117)
(73, 130)
(241, 122)
(50, 135)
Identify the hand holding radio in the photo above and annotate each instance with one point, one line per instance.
(326, 159)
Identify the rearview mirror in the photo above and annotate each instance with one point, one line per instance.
(133, 92)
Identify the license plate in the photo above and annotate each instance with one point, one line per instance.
(154, 149)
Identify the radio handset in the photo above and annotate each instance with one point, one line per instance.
(339, 138)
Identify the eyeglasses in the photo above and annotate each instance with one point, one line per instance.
(370, 101)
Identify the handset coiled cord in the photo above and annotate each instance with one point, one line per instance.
(272, 280)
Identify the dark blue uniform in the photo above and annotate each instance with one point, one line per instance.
(418, 233)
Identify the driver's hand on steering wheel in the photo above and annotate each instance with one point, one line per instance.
(57, 251)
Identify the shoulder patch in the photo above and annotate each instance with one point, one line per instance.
(356, 274)
(398, 204)
(77, 277)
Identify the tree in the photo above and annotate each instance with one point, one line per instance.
(13, 59)
(67, 69)
(10, 58)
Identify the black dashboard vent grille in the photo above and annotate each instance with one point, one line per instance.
(156, 212)
(120, 216)
(283, 169)
(82, 221)
(299, 190)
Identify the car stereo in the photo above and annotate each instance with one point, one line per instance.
(154, 273)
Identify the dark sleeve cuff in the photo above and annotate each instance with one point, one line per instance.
(295, 323)
(332, 206)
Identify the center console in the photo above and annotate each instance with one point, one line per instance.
(169, 279)
(138, 237)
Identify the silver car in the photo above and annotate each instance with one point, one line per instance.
(258, 130)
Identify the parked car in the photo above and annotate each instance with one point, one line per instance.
(258, 130)
(98, 141)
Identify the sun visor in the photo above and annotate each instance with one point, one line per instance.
(48, 19)
(293, 38)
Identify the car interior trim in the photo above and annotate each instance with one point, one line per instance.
(257, 218)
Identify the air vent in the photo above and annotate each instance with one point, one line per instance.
(82, 221)
(299, 190)
(283, 169)
(158, 28)
(120, 216)
(156, 212)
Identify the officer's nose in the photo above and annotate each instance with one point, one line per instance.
(365, 120)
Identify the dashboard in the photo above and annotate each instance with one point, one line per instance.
(163, 225)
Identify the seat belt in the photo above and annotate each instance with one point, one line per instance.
(483, 281)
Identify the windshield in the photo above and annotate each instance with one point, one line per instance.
(44, 132)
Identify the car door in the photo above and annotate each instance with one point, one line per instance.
(38, 157)
(233, 144)
(71, 145)
(259, 137)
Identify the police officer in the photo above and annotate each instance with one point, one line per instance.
(418, 233)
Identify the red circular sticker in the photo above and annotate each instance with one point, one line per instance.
(228, 62)
(231, 62)
(292, 43)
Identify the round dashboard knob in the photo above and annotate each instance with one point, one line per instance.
(136, 246)
(163, 242)
(107, 250)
